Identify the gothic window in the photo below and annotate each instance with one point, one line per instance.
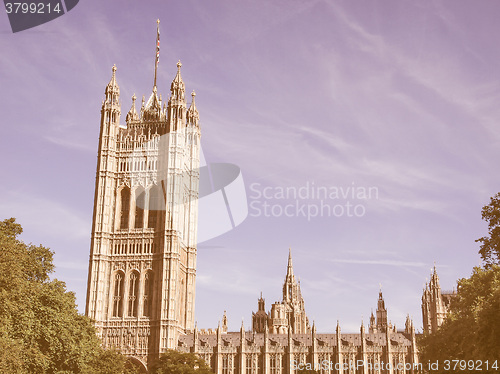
(139, 208)
(249, 365)
(125, 209)
(133, 291)
(148, 293)
(272, 364)
(118, 295)
(155, 206)
(345, 365)
(225, 364)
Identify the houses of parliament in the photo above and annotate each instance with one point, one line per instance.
(142, 267)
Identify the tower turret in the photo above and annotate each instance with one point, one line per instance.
(193, 116)
(260, 318)
(381, 313)
(177, 103)
(435, 303)
(102, 224)
(132, 114)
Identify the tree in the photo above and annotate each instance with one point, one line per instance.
(471, 331)
(113, 362)
(490, 247)
(40, 328)
(173, 362)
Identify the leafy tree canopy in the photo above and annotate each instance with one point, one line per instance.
(40, 328)
(173, 362)
(490, 245)
(471, 331)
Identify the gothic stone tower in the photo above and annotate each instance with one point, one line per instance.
(141, 284)
(435, 304)
(286, 316)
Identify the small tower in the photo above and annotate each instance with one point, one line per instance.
(192, 114)
(373, 324)
(132, 114)
(177, 103)
(293, 301)
(224, 323)
(408, 325)
(102, 224)
(289, 312)
(260, 318)
(435, 304)
(381, 314)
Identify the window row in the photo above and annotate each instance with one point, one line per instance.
(133, 248)
(128, 143)
(137, 164)
(327, 364)
(128, 292)
(143, 212)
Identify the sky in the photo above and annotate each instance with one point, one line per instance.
(396, 98)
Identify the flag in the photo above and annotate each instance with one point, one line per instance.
(158, 44)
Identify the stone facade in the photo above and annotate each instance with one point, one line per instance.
(141, 284)
(262, 351)
(248, 352)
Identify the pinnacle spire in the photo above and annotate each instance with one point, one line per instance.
(289, 270)
(112, 85)
(132, 113)
(177, 87)
(113, 77)
(192, 113)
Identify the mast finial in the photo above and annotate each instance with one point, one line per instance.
(157, 59)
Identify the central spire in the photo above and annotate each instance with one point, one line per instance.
(289, 270)
(157, 59)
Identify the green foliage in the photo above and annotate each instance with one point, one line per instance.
(490, 247)
(173, 362)
(112, 362)
(40, 328)
(472, 329)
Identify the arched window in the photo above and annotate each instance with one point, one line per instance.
(148, 294)
(125, 211)
(225, 364)
(272, 364)
(133, 292)
(118, 295)
(155, 206)
(140, 197)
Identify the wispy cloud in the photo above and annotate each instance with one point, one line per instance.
(38, 216)
(70, 143)
(385, 262)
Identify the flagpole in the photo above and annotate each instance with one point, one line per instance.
(157, 58)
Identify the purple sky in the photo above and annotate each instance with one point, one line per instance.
(398, 95)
